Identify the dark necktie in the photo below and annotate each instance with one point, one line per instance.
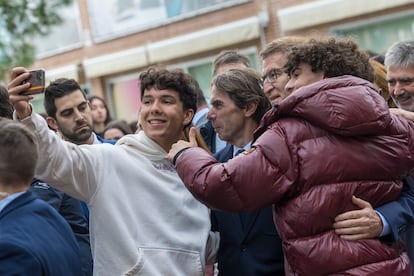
(238, 152)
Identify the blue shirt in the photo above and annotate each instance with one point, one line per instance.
(246, 147)
(7, 200)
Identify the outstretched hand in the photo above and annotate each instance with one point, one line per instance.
(181, 144)
(359, 224)
(15, 87)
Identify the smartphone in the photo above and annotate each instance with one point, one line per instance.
(37, 82)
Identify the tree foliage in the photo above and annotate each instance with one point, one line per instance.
(20, 21)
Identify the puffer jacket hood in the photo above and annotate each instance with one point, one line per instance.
(144, 145)
(353, 110)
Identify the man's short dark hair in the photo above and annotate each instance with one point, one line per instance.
(229, 57)
(281, 45)
(58, 89)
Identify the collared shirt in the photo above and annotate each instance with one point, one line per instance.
(95, 139)
(246, 147)
(7, 200)
(386, 229)
(199, 114)
(220, 144)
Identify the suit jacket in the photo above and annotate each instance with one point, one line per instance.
(201, 121)
(36, 240)
(400, 217)
(106, 141)
(72, 211)
(209, 136)
(249, 242)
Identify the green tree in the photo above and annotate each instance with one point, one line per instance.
(20, 21)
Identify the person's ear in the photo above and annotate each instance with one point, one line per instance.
(51, 122)
(188, 116)
(250, 109)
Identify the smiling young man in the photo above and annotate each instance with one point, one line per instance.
(69, 114)
(143, 220)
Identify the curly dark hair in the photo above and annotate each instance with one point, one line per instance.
(335, 57)
(175, 79)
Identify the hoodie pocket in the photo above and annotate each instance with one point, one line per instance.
(166, 261)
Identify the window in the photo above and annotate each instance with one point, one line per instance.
(63, 37)
(202, 70)
(114, 18)
(378, 35)
(124, 96)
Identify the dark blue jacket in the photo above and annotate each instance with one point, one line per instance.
(36, 240)
(72, 211)
(249, 246)
(209, 136)
(106, 141)
(400, 216)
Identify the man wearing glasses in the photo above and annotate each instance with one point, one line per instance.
(273, 60)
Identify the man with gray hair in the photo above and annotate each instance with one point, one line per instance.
(399, 61)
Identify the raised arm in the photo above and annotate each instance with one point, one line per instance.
(68, 167)
(252, 180)
(20, 102)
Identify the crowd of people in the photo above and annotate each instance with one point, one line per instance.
(303, 168)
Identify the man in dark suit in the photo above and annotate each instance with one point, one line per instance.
(34, 238)
(249, 243)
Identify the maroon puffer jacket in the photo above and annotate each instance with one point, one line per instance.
(326, 142)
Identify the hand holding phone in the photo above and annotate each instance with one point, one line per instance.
(37, 82)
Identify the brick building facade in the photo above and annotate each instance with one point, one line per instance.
(104, 44)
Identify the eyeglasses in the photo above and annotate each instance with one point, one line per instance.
(272, 75)
(405, 81)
